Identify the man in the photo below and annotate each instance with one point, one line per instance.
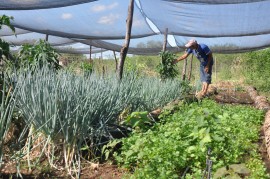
(204, 55)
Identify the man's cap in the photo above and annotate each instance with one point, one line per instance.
(190, 43)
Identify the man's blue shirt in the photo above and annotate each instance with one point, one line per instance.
(201, 53)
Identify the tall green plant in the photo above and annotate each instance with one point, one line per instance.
(7, 104)
(4, 46)
(166, 68)
(38, 55)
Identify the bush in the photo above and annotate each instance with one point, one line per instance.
(38, 55)
(256, 69)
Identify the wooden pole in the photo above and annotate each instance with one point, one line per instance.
(101, 54)
(47, 37)
(215, 68)
(90, 53)
(184, 69)
(115, 60)
(165, 40)
(190, 68)
(124, 49)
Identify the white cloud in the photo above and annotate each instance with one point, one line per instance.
(66, 16)
(99, 8)
(138, 23)
(110, 19)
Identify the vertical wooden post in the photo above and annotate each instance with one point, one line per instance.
(215, 68)
(103, 71)
(190, 68)
(101, 54)
(184, 69)
(90, 53)
(165, 40)
(124, 49)
(115, 60)
(47, 37)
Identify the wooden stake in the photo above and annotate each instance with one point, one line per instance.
(101, 54)
(165, 40)
(215, 68)
(47, 37)
(184, 69)
(124, 49)
(90, 53)
(115, 60)
(190, 68)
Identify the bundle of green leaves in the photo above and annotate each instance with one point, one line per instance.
(166, 68)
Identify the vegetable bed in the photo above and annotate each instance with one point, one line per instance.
(178, 144)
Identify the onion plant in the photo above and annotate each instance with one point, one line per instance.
(73, 111)
(7, 103)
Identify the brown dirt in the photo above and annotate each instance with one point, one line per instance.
(263, 151)
(104, 171)
(233, 97)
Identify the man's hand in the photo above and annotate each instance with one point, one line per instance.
(175, 61)
(206, 69)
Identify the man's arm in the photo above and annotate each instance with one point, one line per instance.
(181, 58)
(210, 58)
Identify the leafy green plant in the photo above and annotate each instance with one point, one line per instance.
(167, 68)
(4, 46)
(138, 120)
(108, 149)
(182, 140)
(38, 55)
(87, 67)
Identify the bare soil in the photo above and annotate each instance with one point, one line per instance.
(104, 171)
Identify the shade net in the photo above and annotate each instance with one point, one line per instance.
(228, 44)
(215, 1)
(151, 45)
(37, 4)
(101, 19)
(204, 20)
(79, 48)
(226, 26)
(33, 38)
(6, 31)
